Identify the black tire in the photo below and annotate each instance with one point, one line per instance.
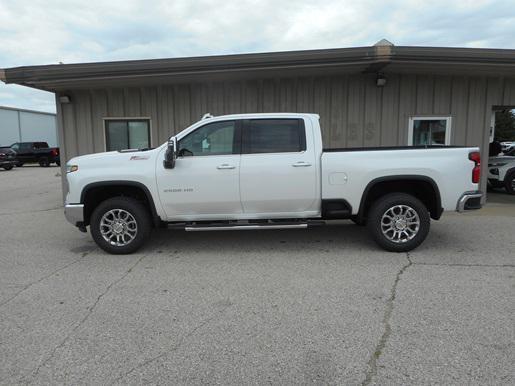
(8, 167)
(58, 163)
(44, 162)
(509, 182)
(139, 213)
(385, 204)
(495, 184)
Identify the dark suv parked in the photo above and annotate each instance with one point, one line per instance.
(36, 152)
(7, 158)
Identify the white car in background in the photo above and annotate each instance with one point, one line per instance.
(501, 173)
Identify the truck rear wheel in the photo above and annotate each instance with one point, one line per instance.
(44, 162)
(120, 225)
(398, 222)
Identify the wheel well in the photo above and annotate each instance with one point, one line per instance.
(93, 195)
(423, 189)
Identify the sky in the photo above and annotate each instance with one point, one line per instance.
(48, 31)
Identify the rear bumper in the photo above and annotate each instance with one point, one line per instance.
(469, 201)
(74, 213)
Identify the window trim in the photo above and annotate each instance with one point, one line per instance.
(448, 127)
(246, 128)
(106, 119)
(237, 138)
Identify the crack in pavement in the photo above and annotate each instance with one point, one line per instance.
(35, 372)
(31, 211)
(27, 286)
(176, 347)
(467, 265)
(372, 362)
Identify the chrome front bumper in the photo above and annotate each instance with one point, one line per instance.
(469, 201)
(74, 213)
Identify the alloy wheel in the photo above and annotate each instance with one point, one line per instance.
(400, 223)
(118, 227)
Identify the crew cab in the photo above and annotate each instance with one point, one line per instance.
(267, 171)
(40, 152)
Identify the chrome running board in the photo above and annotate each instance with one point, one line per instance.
(240, 227)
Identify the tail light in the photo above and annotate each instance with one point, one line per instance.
(54, 152)
(476, 172)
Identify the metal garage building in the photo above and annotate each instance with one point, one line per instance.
(20, 125)
(381, 95)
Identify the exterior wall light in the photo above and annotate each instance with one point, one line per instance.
(64, 99)
(380, 80)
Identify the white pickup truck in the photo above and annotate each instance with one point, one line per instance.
(267, 171)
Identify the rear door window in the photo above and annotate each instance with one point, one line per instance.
(274, 136)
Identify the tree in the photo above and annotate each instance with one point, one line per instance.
(505, 125)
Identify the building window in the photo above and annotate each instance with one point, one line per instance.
(127, 134)
(429, 131)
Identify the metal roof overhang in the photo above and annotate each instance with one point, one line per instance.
(388, 59)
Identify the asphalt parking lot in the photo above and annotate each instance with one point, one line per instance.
(319, 306)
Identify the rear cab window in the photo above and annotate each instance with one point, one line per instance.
(274, 136)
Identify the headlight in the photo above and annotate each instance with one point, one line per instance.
(71, 168)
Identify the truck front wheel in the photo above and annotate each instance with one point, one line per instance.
(398, 222)
(120, 225)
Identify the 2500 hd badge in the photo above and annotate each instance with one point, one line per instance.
(178, 190)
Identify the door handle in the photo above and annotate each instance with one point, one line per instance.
(226, 166)
(301, 164)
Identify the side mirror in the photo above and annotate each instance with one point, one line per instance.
(171, 154)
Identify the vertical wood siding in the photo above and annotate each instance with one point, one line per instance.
(353, 111)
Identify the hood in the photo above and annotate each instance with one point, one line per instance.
(7, 150)
(94, 156)
(110, 157)
(501, 158)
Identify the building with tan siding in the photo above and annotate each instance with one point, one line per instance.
(382, 95)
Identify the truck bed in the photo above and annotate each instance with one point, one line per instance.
(348, 172)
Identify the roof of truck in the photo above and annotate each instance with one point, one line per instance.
(262, 115)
